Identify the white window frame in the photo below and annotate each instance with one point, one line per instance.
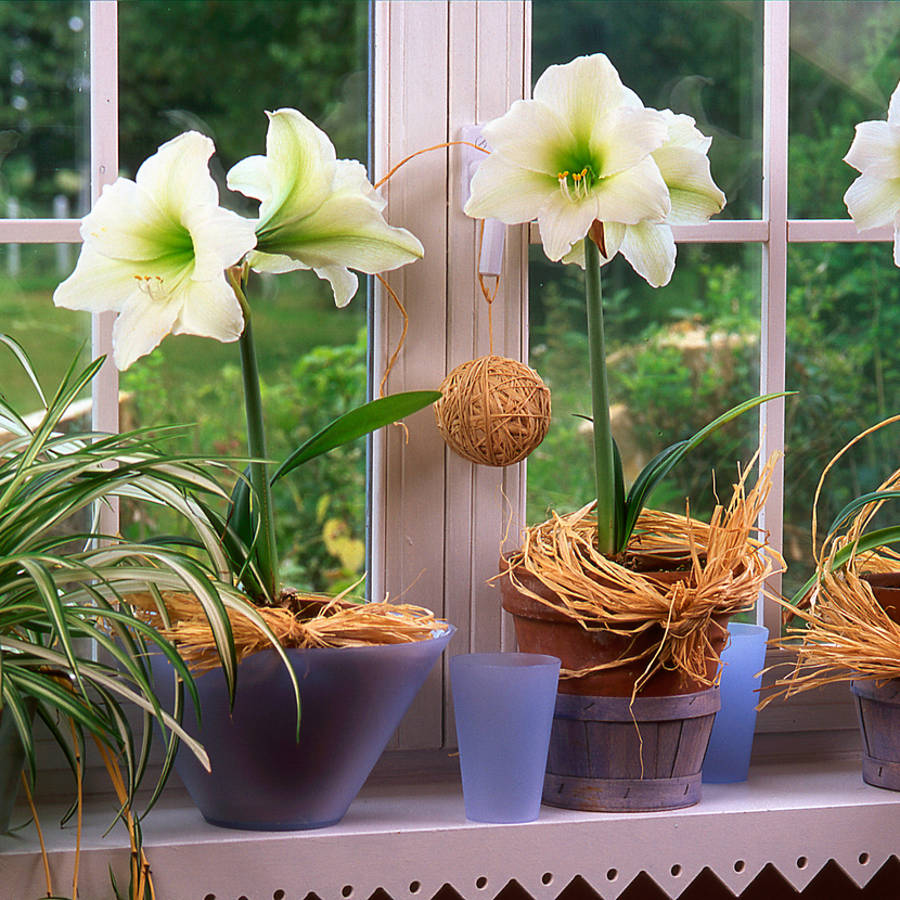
(438, 521)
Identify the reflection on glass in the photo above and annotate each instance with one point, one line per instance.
(700, 58)
(845, 63)
(44, 110)
(678, 356)
(51, 337)
(216, 68)
(843, 357)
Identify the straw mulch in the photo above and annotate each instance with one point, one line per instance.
(726, 560)
(847, 635)
(338, 623)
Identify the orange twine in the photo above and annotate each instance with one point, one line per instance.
(387, 287)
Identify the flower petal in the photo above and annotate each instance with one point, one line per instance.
(98, 284)
(177, 175)
(347, 229)
(343, 283)
(125, 223)
(650, 248)
(273, 263)
(139, 328)
(874, 142)
(613, 234)
(531, 135)
(209, 308)
(250, 177)
(627, 138)
(300, 169)
(693, 194)
(633, 195)
(894, 107)
(563, 222)
(874, 198)
(583, 92)
(220, 239)
(508, 192)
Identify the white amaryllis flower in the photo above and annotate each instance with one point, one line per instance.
(873, 199)
(694, 196)
(578, 152)
(155, 251)
(317, 212)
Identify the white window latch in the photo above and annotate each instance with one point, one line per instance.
(491, 260)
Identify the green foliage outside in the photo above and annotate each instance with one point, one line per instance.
(683, 353)
(679, 355)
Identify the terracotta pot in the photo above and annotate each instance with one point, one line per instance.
(541, 629)
(886, 588)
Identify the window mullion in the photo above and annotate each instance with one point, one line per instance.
(104, 169)
(776, 54)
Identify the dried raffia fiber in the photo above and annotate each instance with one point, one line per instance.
(728, 562)
(493, 410)
(848, 635)
(338, 623)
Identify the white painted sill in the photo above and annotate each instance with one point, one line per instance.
(409, 836)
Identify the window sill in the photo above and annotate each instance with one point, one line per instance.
(410, 837)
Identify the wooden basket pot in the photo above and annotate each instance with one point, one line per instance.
(878, 706)
(610, 750)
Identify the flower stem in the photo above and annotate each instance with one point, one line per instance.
(266, 549)
(604, 471)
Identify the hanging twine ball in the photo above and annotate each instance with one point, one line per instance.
(494, 411)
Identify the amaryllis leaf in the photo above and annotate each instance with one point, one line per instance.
(355, 424)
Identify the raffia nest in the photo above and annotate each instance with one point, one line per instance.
(727, 558)
(493, 410)
(337, 622)
(848, 635)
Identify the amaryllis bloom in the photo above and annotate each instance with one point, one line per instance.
(873, 199)
(580, 151)
(317, 212)
(155, 251)
(694, 196)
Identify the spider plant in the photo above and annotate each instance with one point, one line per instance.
(71, 648)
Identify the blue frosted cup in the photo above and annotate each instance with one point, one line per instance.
(728, 756)
(504, 706)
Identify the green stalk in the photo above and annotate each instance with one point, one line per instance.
(604, 466)
(266, 550)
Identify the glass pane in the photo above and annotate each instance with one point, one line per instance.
(52, 337)
(44, 168)
(701, 58)
(843, 357)
(216, 68)
(677, 357)
(845, 62)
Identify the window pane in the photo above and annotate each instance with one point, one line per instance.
(52, 337)
(701, 58)
(845, 62)
(677, 356)
(44, 128)
(216, 68)
(843, 357)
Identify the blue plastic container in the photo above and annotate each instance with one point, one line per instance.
(262, 778)
(728, 757)
(504, 710)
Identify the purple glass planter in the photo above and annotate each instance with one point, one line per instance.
(352, 698)
(731, 742)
